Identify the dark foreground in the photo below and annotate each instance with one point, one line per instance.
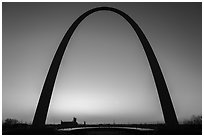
(181, 130)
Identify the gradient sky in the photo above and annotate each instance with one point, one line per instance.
(104, 75)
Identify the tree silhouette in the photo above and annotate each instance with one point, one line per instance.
(10, 121)
(194, 120)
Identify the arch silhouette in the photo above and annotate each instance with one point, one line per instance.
(165, 100)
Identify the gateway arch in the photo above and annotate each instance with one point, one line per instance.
(164, 97)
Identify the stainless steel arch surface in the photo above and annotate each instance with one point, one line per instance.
(165, 100)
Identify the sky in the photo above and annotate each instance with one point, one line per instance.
(104, 75)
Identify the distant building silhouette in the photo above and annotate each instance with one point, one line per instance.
(69, 124)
